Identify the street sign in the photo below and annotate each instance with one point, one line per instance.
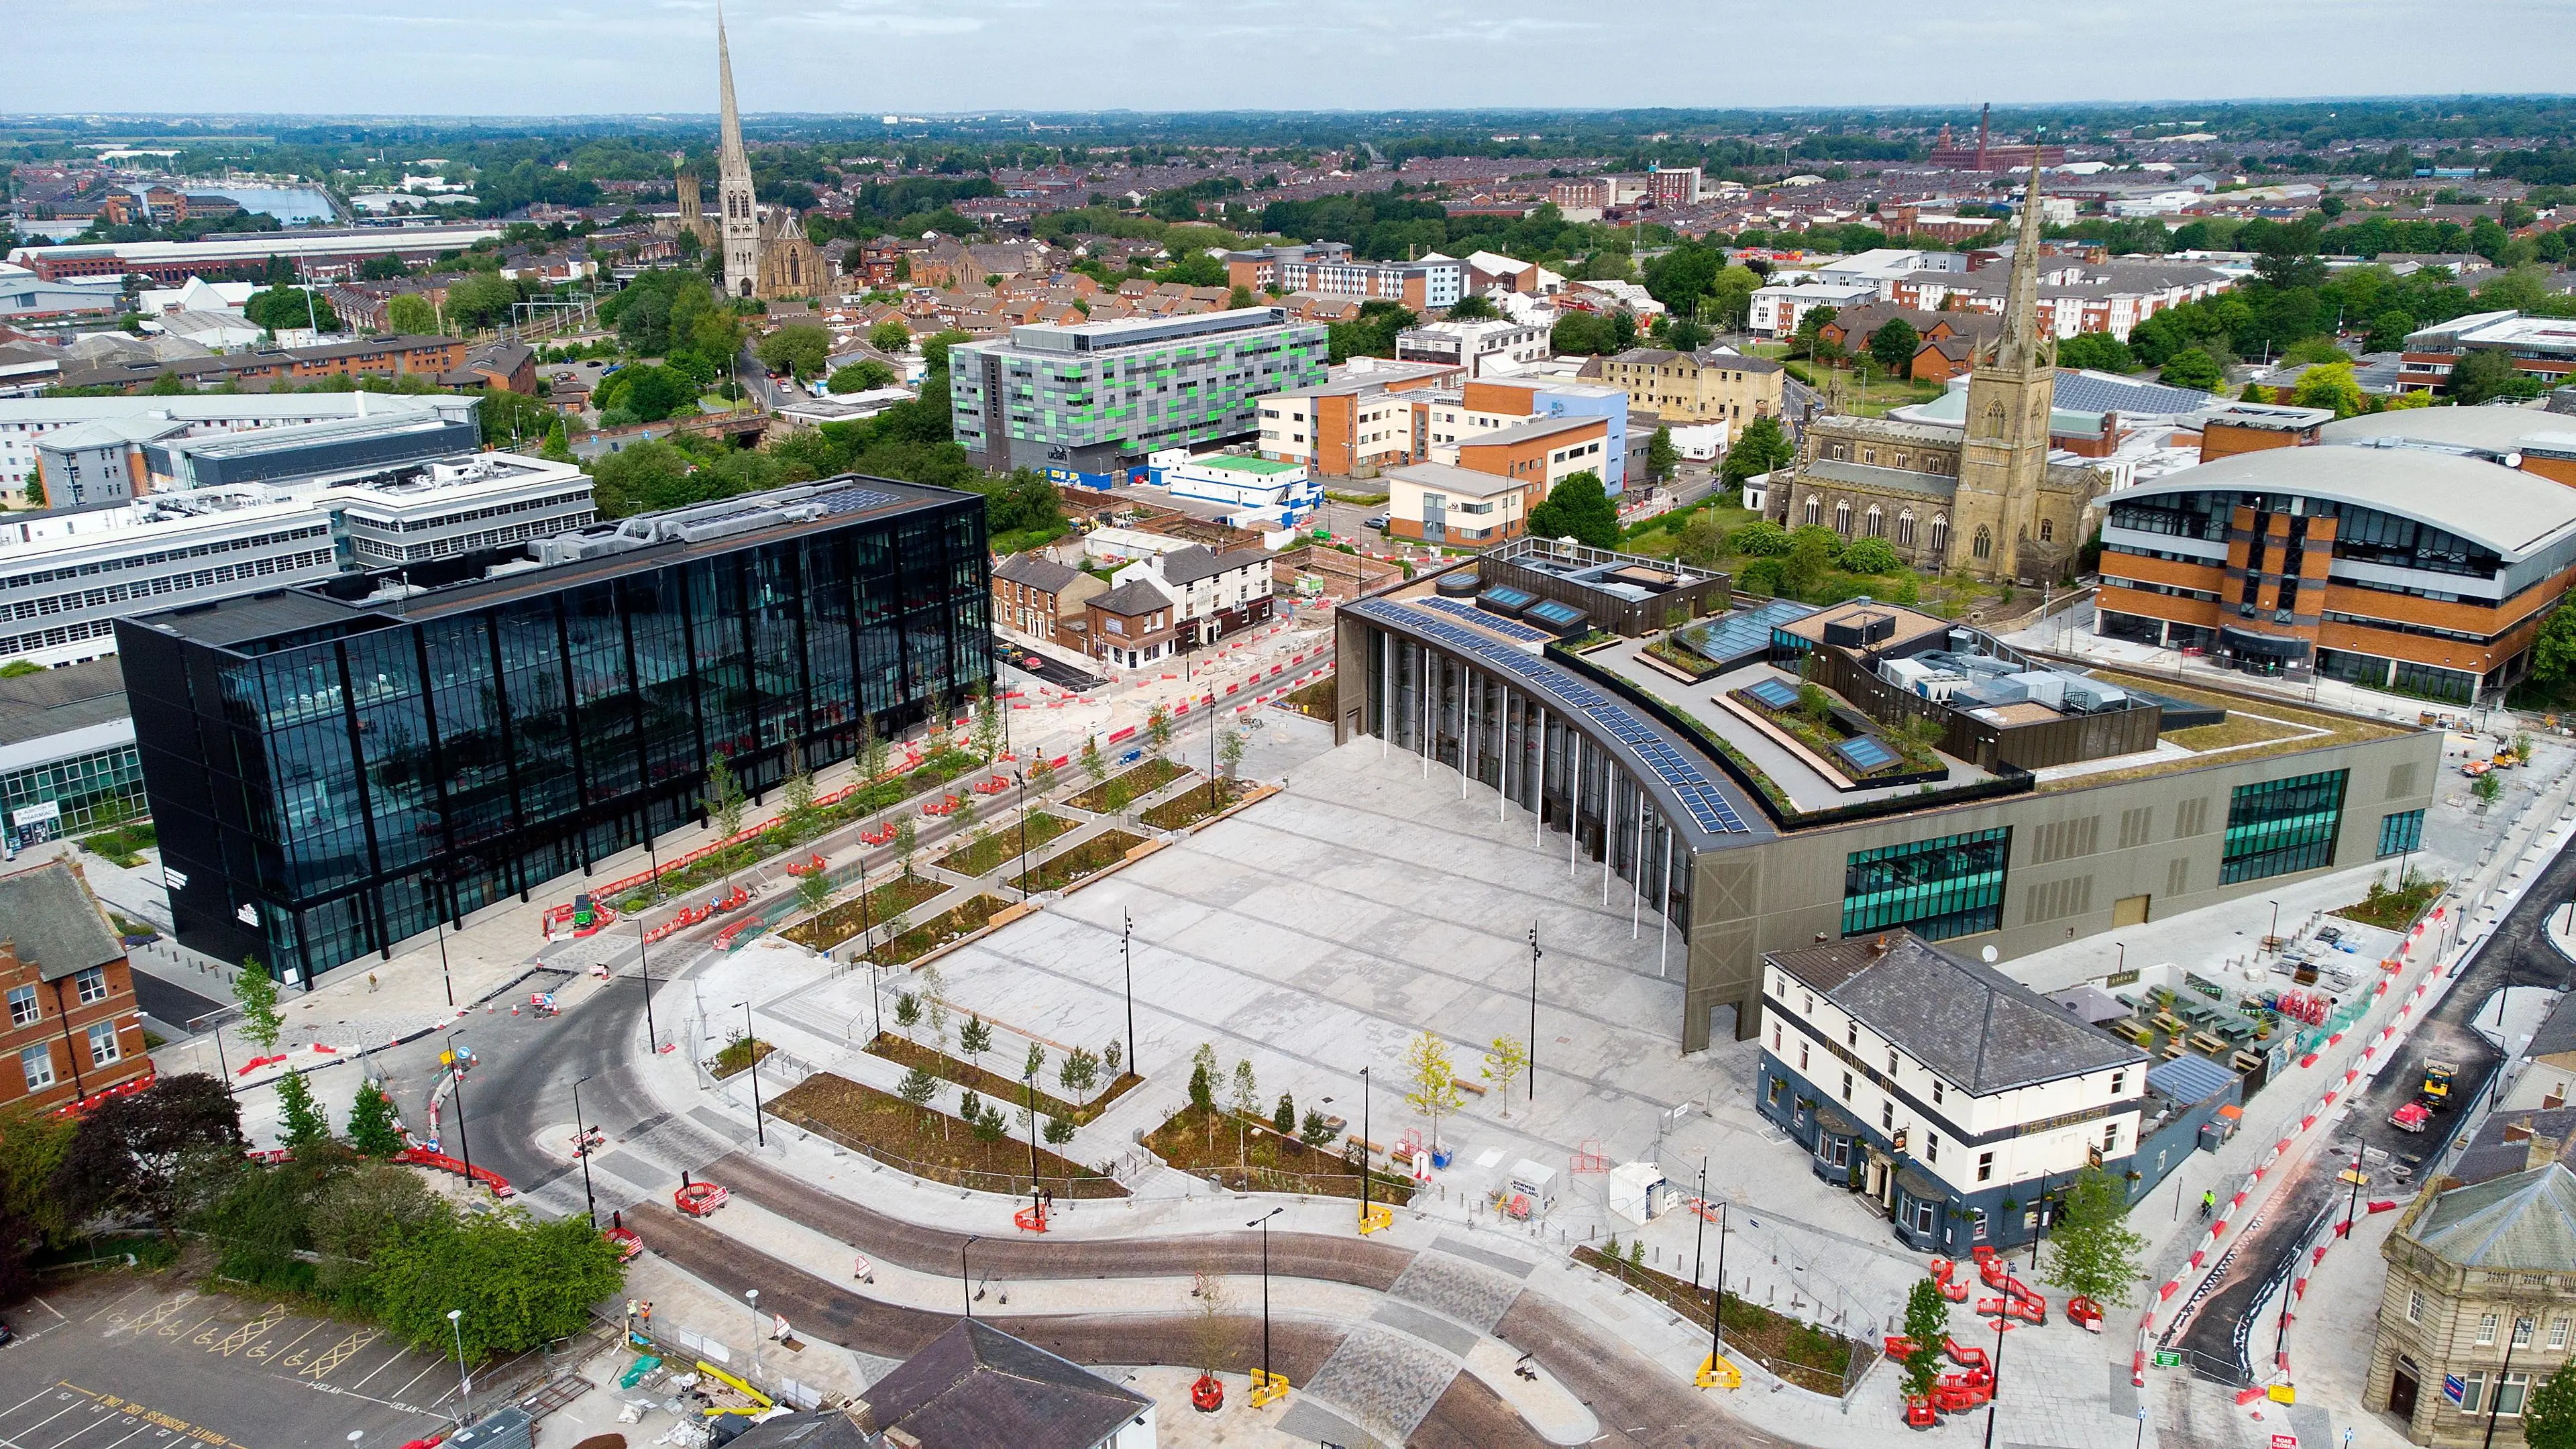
(2168, 1358)
(2285, 1441)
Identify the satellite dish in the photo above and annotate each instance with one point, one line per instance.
(1987, 955)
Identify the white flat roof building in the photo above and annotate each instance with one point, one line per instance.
(23, 420)
(66, 575)
(464, 505)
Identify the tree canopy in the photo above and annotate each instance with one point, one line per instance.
(1577, 508)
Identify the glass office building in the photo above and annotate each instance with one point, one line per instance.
(1949, 886)
(337, 766)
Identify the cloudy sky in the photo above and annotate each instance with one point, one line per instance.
(492, 57)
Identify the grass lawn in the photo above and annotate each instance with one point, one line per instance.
(1315, 701)
(1250, 1157)
(1089, 858)
(2236, 729)
(842, 921)
(1137, 783)
(1812, 1358)
(904, 1051)
(1003, 844)
(928, 1144)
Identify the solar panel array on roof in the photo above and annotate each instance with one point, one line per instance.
(1773, 693)
(854, 500)
(1483, 620)
(1698, 794)
(1556, 615)
(1865, 754)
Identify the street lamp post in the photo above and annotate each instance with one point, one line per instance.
(456, 1069)
(1717, 1310)
(1533, 1026)
(581, 1149)
(2495, 1392)
(2039, 1210)
(1364, 1147)
(1022, 776)
(1699, 1234)
(643, 952)
(1263, 1223)
(1995, 1388)
(464, 1381)
(2353, 1206)
(1029, 1085)
(1127, 955)
(444, 973)
(966, 1290)
(2273, 934)
(751, 1044)
(752, 1297)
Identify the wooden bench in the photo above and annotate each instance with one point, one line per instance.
(1462, 1084)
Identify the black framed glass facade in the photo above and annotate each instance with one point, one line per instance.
(328, 792)
(1950, 886)
(2401, 832)
(2281, 826)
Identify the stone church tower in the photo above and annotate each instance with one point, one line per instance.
(2003, 460)
(739, 214)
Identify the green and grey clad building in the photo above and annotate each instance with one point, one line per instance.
(337, 766)
(1082, 403)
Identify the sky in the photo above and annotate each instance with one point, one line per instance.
(571, 57)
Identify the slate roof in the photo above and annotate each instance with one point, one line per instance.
(806, 1431)
(1136, 596)
(1890, 480)
(975, 1387)
(1189, 565)
(55, 922)
(2502, 1145)
(1043, 574)
(1963, 1019)
(2523, 1221)
(2558, 1032)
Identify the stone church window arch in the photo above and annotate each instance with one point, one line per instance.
(1994, 420)
(1940, 532)
(2047, 530)
(1842, 517)
(1905, 529)
(1875, 522)
(1983, 546)
(1815, 509)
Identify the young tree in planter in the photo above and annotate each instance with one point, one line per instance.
(988, 724)
(1314, 1131)
(934, 1005)
(301, 1124)
(371, 1123)
(1927, 1325)
(1505, 1060)
(1283, 1119)
(1058, 1132)
(1113, 1057)
(1202, 1088)
(907, 840)
(1094, 764)
(1247, 1090)
(725, 806)
(1229, 756)
(872, 749)
(2093, 1253)
(1079, 1073)
(918, 1087)
(907, 1012)
(813, 891)
(1158, 730)
(1042, 775)
(1036, 1062)
(974, 1038)
(1431, 1086)
(796, 792)
(256, 992)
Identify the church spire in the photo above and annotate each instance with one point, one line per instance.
(2021, 344)
(740, 224)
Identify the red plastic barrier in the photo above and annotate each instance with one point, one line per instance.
(423, 1157)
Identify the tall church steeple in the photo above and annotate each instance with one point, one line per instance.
(740, 219)
(2004, 458)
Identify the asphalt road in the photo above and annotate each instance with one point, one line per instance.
(2517, 953)
(528, 1066)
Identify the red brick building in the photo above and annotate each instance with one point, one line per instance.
(73, 1033)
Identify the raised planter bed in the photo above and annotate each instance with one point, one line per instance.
(962, 919)
(1191, 806)
(1249, 1156)
(1079, 862)
(927, 1143)
(841, 922)
(977, 857)
(1138, 783)
(1816, 1359)
(737, 1055)
(904, 1051)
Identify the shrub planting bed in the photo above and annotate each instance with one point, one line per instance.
(842, 921)
(904, 1051)
(1191, 806)
(979, 856)
(738, 1054)
(1812, 1358)
(2394, 908)
(1249, 1156)
(926, 1143)
(1136, 784)
(962, 919)
(1089, 858)
(785, 833)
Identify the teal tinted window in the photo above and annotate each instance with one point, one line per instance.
(2400, 832)
(1951, 886)
(2281, 826)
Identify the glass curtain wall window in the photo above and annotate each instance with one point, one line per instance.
(1950, 886)
(2279, 827)
(2400, 832)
